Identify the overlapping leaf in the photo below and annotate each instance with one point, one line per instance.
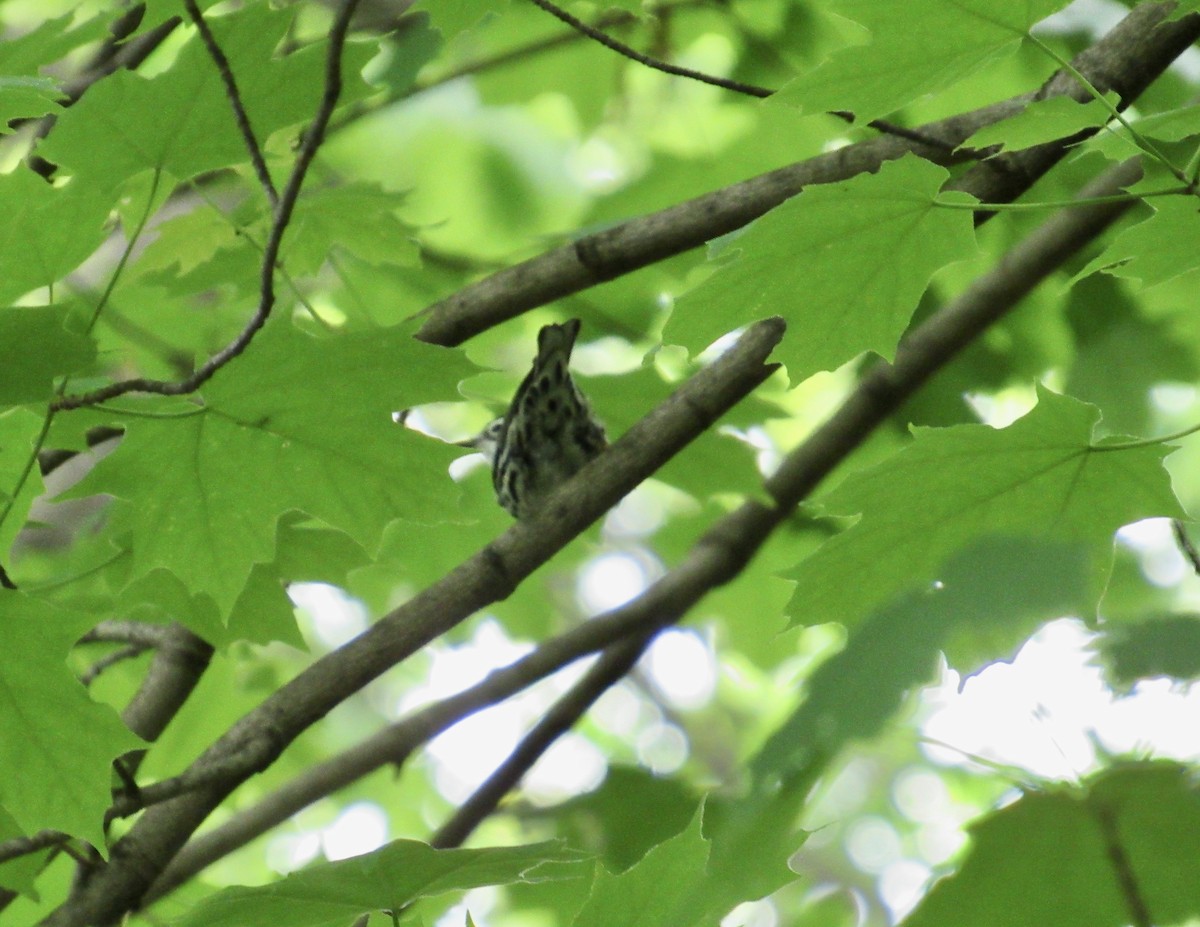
(58, 744)
(1129, 841)
(1165, 246)
(295, 423)
(903, 63)
(693, 880)
(20, 480)
(181, 120)
(844, 263)
(387, 879)
(47, 231)
(1042, 121)
(1040, 477)
(990, 597)
(35, 348)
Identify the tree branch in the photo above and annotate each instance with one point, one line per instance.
(257, 739)
(726, 547)
(393, 745)
(1135, 901)
(1132, 54)
(179, 661)
(286, 204)
(120, 655)
(628, 51)
(1186, 547)
(737, 86)
(235, 101)
(612, 666)
(23, 846)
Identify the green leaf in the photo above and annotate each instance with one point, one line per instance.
(404, 53)
(185, 242)
(106, 137)
(636, 897)
(20, 874)
(1121, 354)
(743, 861)
(989, 597)
(1042, 121)
(28, 97)
(904, 62)
(52, 40)
(387, 879)
(1171, 126)
(632, 811)
(1157, 645)
(47, 230)
(19, 430)
(452, 17)
(844, 263)
(295, 423)
(1071, 857)
(1157, 249)
(359, 218)
(1041, 477)
(35, 348)
(57, 743)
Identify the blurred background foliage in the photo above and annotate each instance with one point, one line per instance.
(470, 136)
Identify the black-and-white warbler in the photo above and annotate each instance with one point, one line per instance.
(549, 431)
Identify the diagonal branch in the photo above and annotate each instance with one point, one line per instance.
(628, 51)
(235, 101)
(1127, 59)
(491, 574)
(1131, 890)
(612, 666)
(313, 137)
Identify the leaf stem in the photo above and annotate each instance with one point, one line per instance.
(1144, 143)
(140, 413)
(1145, 442)
(52, 409)
(28, 467)
(1061, 204)
(130, 244)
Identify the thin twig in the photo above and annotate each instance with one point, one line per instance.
(737, 86)
(121, 654)
(604, 673)
(1185, 544)
(235, 101)
(23, 846)
(627, 51)
(1135, 902)
(126, 632)
(312, 139)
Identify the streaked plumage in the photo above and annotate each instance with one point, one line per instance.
(549, 431)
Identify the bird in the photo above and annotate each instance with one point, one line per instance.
(549, 431)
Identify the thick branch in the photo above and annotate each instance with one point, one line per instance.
(179, 661)
(1127, 59)
(490, 575)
